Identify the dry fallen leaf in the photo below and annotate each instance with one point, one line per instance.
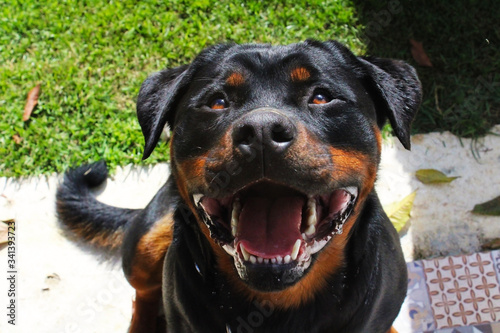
(418, 53)
(31, 102)
(17, 139)
(493, 244)
(432, 176)
(399, 212)
(491, 207)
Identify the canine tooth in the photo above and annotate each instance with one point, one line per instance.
(235, 212)
(311, 220)
(287, 259)
(245, 253)
(266, 261)
(229, 249)
(311, 203)
(353, 190)
(197, 198)
(253, 260)
(311, 230)
(296, 248)
(311, 209)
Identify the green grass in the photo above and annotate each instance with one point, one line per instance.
(91, 57)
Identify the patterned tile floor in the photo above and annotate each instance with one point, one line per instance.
(453, 295)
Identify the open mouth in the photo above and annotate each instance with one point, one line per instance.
(267, 224)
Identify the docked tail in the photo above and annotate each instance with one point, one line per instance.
(92, 221)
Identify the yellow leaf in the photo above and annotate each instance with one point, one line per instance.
(399, 212)
(432, 176)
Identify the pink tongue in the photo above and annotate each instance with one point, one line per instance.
(269, 227)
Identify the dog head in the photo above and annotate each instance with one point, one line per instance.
(276, 148)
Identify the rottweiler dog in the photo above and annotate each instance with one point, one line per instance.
(269, 221)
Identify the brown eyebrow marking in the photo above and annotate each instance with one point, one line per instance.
(235, 79)
(300, 74)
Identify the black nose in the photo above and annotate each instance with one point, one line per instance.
(264, 129)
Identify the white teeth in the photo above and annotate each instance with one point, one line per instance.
(245, 253)
(352, 190)
(311, 220)
(277, 260)
(235, 214)
(311, 230)
(197, 198)
(304, 237)
(229, 249)
(311, 211)
(296, 248)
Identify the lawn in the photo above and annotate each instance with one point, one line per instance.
(91, 57)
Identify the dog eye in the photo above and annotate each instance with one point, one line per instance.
(319, 98)
(218, 104)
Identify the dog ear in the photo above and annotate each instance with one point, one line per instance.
(397, 93)
(156, 103)
(161, 92)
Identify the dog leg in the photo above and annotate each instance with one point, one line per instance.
(145, 274)
(145, 312)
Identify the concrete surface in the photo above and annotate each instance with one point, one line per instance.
(62, 287)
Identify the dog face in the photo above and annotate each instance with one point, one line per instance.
(275, 149)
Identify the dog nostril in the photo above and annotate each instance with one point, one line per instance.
(280, 134)
(244, 135)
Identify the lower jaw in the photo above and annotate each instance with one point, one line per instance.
(274, 277)
(271, 277)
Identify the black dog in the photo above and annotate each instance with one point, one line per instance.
(269, 221)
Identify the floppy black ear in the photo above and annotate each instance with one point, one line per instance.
(156, 103)
(397, 93)
(161, 92)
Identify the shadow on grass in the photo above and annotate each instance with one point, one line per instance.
(462, 89)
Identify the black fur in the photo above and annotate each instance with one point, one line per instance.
(86, 216)
(365, 294)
